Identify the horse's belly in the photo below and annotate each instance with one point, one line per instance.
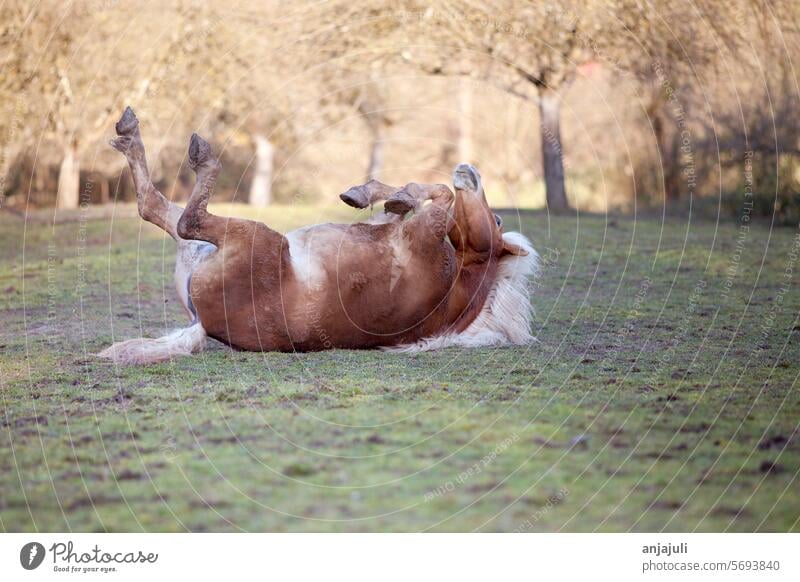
(382, 307)
(235, 299)
(363, 294)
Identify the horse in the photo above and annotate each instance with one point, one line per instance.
(433, 270)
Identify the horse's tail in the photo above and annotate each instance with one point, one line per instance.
(180, 342)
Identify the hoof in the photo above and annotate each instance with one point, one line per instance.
(400, 203)
(128, 123)
(466, 177)
(199, 152)
(355, 197)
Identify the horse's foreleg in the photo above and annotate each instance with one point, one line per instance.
(367, 194)
(397, 201)
(434, 220)
(412, 196)
(153, 206)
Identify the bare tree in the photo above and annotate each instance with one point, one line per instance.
(371, 106)
(253, 67)
(533, 51)
(67, 68)
(261, 184)
(57, 58)
(465, 145)
(36, 42)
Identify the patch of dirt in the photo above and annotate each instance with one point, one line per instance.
(774, 442)
(771, 468)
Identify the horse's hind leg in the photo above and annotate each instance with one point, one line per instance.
(196, 222)
(153, 206)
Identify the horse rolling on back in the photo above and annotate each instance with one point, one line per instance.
(418, 277)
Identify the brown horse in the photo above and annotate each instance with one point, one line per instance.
(419, 276)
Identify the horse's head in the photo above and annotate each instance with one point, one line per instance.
(478, 232)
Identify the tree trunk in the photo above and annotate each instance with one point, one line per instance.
(69, 180)
(667, 153)
(552, 153)
(465, 122)
(261, 186)
(375, 153)
(104, 190)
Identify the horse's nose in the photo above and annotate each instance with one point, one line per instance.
(466, 177)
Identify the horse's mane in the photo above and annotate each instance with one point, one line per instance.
(507, 314)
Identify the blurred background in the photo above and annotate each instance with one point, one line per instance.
(621, 106)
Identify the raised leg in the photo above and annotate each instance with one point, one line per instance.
(367, 194)
(398, 201)
(412, 196)
(435, 219)
(196, 222)
(153, 206)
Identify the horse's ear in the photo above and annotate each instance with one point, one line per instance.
(512, 249)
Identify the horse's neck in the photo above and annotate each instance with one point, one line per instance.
(471, 288)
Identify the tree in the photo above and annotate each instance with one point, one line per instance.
(264, 112)
(465, 126)
(75, 79)
(370, 105)
(247, 70)
(530, 50)
(534, 58)
(37, 41)
(688, 47)
(261, 184)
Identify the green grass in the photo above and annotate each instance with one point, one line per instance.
(650, 403)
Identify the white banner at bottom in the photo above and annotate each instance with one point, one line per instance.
(371, 557)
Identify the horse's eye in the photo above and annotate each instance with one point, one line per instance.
(499, 221)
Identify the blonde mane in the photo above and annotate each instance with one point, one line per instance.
(507, 314)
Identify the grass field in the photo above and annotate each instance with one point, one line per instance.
(662, 395)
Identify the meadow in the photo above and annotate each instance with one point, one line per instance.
(661, 394)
